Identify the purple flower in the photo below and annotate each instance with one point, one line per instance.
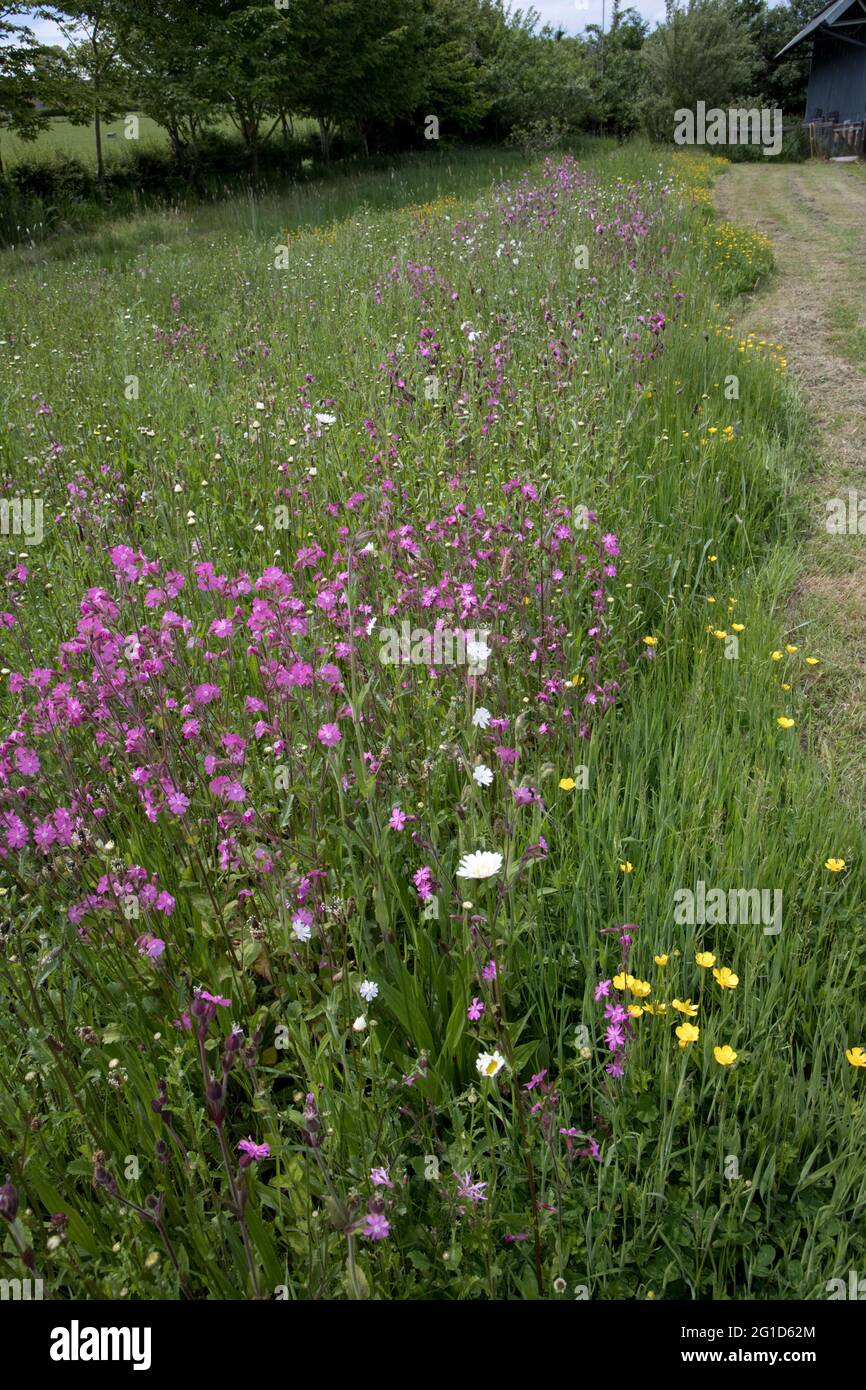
(602, 990)
(328, 736)
(397, 818)
(379, 1177)
(377, 1228)
(252, 1152)
(475, 1010)
(472, 1191)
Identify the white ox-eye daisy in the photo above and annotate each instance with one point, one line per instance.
(489, 1064)
(484, 863)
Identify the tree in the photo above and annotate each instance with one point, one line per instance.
(615, 60)
(94, 77)
(703, 53)
(355, 63)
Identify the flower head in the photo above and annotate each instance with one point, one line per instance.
(482, 864)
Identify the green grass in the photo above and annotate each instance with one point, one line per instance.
(714, 1182)
(78, 141)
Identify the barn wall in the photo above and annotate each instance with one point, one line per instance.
(837, 80)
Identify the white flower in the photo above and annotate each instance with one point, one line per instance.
(477, 653)
(301, 930)
(326, 419)
(360, 1024)
(482, 864)
(482, 717)
(483, 775)
(368, 989)
(489, 1063)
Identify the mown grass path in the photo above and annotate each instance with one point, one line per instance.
(815, 216)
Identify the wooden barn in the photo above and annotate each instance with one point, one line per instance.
(836, 98)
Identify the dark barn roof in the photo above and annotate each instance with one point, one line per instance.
(833, 18)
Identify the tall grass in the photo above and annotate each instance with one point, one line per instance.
(424, 396)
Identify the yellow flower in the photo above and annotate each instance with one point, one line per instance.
(685, 1006)
(655, 1008)
(634, 1010)
(661, 960)
(566, 784)
(790, 648)
(577, 680)
(712, 558)
(621, 981)
(784, 722)
(725, 1056)
(626, 868)
(711, 600)
(641, 988)
(687, 1033)
(783, 685)
(725, 978)
(738, 627)
(776, 656)
(834, 865)
(705, 958)
(719, 633)
(812, 661)
(650, 641)
(856, 1056)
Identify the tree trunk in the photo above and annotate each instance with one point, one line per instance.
(97, 129)
(325, 138)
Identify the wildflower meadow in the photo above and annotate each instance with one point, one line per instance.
(419, 875)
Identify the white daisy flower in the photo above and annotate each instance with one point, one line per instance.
(482, 864)
(368, 989)
(482, 775)
(482, 717)
(326, 419)
(489, 1063)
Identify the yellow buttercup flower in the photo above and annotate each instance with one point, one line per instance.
(812, 661)
(856, 1056)
(790, 648)
(687, 1033)
(705, 958)
(626, 867)
(834, 865)
(738, 627)
(725, 1056)
(634, 1010)
(719, 633)
(685, 1006)
(776, 656)
(712, 558)
(650, 641)
(725, 978)
(566, 784)
(655, 1008)
(661, 960)
(784, 722)
(621, 981)
(641, 988)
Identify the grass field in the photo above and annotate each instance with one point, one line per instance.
(333, 975)
(78, 141)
